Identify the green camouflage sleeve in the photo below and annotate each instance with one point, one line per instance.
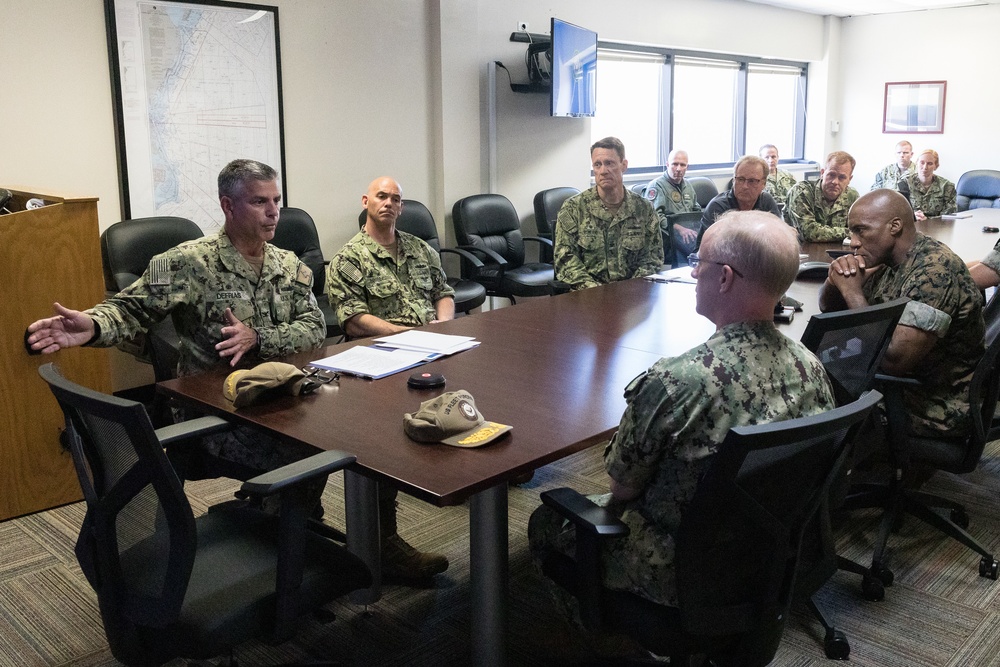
(569, 265)
(345, 286)
(303, 327)
(800, 213)
(992, 258)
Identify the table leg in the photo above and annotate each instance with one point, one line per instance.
(488, 575)
(361, 510)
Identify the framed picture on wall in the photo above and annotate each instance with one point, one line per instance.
(914, 107)
(196, 85)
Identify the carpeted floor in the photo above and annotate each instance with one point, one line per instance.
(939, 612)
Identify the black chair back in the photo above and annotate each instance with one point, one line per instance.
(127, 246)
(490, 221)
(851, 343)
(416, 219)
(739, 542)
(547, 204)
(296, 231)
(704, 189)
(979, 188)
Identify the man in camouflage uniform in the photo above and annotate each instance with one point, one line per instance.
(939, 338)
(382, 282)
(681, 409)
(671, 194)
(606, 233)
(233, 297)
(891, 174)
(818, 209)
(929, 195)
(779, 182)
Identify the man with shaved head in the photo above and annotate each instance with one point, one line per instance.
(382, 282)
(939, 338)
(385, 281)
(680, 410)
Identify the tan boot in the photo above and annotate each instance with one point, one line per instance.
(402, 561)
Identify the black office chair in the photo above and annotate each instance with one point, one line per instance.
(704, 189)
(488, 227)
(547, 204)
(954, 455)
(126, 248)
(979, 188)
(737, 547)
(850, 344)
(296, 231)
(169, 584)
(416, 219)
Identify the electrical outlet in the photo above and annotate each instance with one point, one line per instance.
(522, 26)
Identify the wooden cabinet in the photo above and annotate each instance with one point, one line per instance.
(48, 254)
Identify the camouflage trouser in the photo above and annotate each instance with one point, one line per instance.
(548, 533)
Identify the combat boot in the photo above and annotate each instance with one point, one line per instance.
(402, 561)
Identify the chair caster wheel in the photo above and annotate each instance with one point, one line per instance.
(960, 518)
(883, 574)
(836, 646)
(989, 567)
(872, 589)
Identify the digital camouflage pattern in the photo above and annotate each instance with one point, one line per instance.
(364, 278)
(677, 414)
(946, 302)
(817, 220)
(595, 247)
(778, 185)
(669, 198)
(890, 176)
(196, 281)
(193, 284)
(938, 198)
(992, 259)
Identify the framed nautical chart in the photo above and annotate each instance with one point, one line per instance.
(196, 85)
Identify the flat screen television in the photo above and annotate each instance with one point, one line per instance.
(574, 70)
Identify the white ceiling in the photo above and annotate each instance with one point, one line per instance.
(863, 7)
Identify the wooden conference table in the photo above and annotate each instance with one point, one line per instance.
(554, 368)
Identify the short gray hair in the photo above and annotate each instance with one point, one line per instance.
(752, 159)
(235, 174)
(761, 245)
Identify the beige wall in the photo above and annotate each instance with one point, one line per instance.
(954, 45)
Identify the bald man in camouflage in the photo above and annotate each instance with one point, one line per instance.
(382, 282)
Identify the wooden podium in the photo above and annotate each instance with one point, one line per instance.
(49, 254)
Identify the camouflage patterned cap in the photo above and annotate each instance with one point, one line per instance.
(452, 419)
(253, 385)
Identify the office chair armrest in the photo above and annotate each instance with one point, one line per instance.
(493, 256)
(584, 513)
(295, 473)
(465, 255)
(896, 380)
(191, 429)
(541, 240)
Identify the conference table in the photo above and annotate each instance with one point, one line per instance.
(554, 368)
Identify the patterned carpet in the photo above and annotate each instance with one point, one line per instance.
(939, 612)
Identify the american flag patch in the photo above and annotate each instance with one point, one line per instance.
(159, 271)
(351, 272)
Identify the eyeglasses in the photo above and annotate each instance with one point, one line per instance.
(752, 182)
(694, 260)
(317, 377)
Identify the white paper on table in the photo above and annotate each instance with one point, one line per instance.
(372, 362)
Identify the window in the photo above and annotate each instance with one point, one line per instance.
(630, 85)
(717, 108)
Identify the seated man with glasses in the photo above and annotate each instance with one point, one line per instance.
(747, 193)
(680, 410)
(818, 209)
